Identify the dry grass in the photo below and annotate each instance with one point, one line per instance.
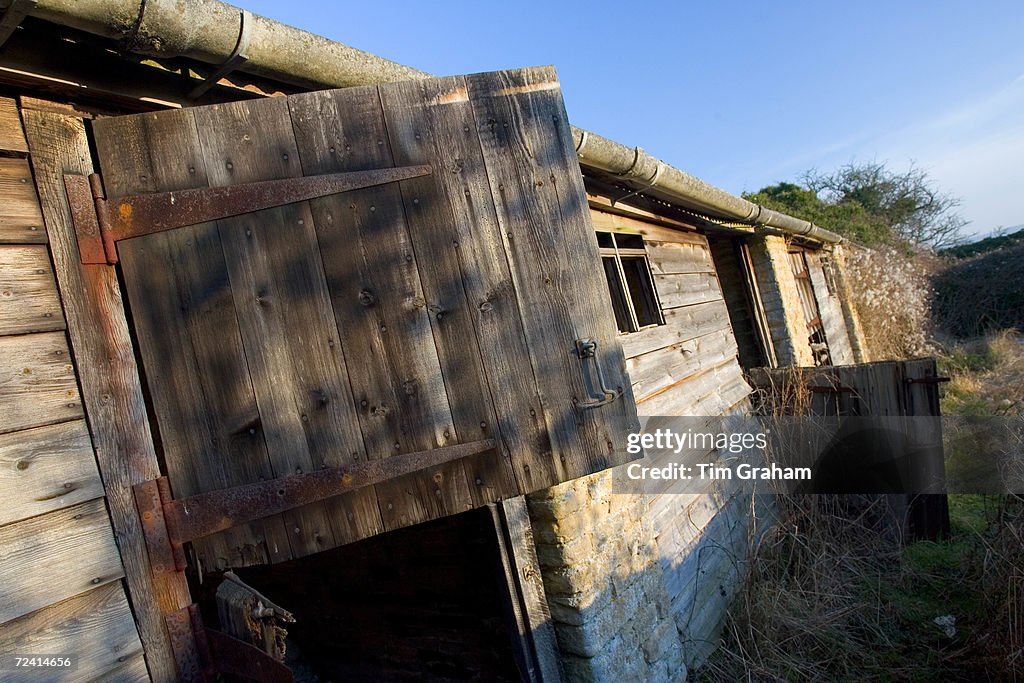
(987, 376)
(833, 596)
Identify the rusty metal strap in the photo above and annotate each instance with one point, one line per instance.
(237, 57)
(208, 513)
(191, 662)
(100, 223)
(202, 652)
(232, 656)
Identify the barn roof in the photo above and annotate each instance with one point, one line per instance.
(230, 39)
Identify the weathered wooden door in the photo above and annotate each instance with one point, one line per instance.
(445, 309)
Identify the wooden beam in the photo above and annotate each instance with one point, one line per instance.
(109, 376)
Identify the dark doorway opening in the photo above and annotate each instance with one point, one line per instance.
(423, 603)
(739, 289)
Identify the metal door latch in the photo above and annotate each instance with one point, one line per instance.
(602, 395)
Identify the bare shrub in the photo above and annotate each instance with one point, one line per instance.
(892, 296)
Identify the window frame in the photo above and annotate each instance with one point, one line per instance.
(617, 253)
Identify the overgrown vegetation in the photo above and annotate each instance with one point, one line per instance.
(892, 297)
(986, 376)
(832, 594)
(993, 242)
(872, 205)
(982, 293)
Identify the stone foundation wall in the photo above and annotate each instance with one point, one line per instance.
(604, 584)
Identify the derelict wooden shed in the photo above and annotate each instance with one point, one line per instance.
(457, 321)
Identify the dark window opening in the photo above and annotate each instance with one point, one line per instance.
(630, 283)
(736, 276)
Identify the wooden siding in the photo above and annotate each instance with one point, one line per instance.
(95, 629)
(689, 367)
(60, 570)
(28, 292)
(21, 221)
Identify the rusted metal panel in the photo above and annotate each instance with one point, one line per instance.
(232, 656)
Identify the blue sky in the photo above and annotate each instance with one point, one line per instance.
(746, 94)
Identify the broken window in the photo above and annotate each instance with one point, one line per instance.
(630, 283)
(815, 328)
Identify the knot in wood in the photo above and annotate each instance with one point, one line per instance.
(366, 297)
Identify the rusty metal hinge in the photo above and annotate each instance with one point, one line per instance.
(100, 223)
(202, 652)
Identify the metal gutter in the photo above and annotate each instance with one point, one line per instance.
(225, 36)
(639, 169)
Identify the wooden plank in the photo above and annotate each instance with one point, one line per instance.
(710, 392)
(526, 591)
(247, 615)
(285, 316)
(37, 381)
(28, 292)
(379, 302)
(184, 315)
(95, 629)
(455, 232)
(616, 222)
(20, 219)
(681, 324)
(113, 395)
(684, 289)
(45, 469)
(658, 370)
(12, 138)
(667, 258)
(548, 236)
(74, 545)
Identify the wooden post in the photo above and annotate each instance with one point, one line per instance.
(536, 647)
(106, 365)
